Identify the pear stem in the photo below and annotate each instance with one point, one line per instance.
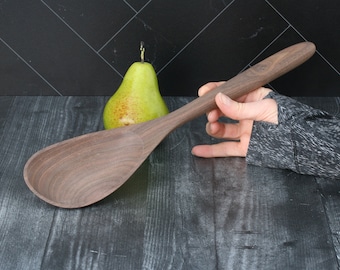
(142, 51)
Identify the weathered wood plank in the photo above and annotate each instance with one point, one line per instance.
(176, 212)
(223, 214)
(329, 189)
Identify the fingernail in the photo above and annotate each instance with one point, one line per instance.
(224, 99)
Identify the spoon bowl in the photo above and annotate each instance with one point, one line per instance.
(83, 170)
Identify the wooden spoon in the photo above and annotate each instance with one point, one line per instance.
(83, 170)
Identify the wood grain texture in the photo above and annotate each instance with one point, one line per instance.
(176, 212)
(329, 189)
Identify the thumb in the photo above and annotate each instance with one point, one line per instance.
(262, 110)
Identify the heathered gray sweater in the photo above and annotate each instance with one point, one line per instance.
(306, 140)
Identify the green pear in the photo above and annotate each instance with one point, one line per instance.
(137, 99)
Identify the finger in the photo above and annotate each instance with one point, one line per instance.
(255, 95)
(214, 115)
(229, 131)
(208, 87)
(224, 149)
(263, 110)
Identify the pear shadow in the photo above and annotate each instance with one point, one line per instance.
(133, 190)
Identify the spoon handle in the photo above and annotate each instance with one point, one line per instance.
(254, 77)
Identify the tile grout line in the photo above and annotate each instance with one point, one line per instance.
(81, 38)
(30, 66)
(285, 20)
(195, 37)
(318, 52)
(122, 28)
(278, 36)
(127, 3)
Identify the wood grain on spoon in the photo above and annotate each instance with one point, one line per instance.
(84, 170)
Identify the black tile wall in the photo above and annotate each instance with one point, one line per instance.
(83, 47)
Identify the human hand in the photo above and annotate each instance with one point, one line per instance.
(246, 109)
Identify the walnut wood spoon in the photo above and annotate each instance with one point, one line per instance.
(83, 170)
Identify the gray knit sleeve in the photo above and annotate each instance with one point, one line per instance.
(305, 140)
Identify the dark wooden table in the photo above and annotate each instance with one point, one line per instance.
(176, 212)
